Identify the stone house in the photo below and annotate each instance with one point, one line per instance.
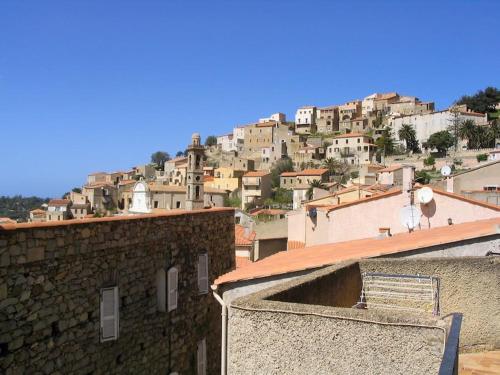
(307, 154)
(175, 171)
(303, 179)
(37, 215)
(354, 148)
(328, 119)
(58, 209)
(101, 196)
(256, 188)
(226, 143)
(354, 125)
(350, 110)
(114, 295)
(169, 197)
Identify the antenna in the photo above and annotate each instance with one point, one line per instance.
(425, 195)
(445, 171)
(410, 217)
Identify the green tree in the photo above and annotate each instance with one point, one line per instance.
(441, 140)
(314, 184)
(76, 190)
(336, 167)
(159, 158)
(430, 161)
(283, 196)
(483, 101)
(408, 134)
(385, 143)
(467, 130)
(211, 140)
(422, 177)
(178, 154)
(282, 165)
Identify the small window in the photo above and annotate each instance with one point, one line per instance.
(156, 204)
(161, 290)
(109, 313)
(202, 357)
(203, 273)
(173, 276)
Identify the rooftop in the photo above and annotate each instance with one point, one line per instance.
(256, 174)
(243, 236)
(322, 255)
(59, 202)
(306, 172)
(351, 135)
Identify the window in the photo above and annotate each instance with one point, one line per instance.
(203, 273)
(156, 204)
(109, 313)
(359, 148)
(178, 204)
(359, 140)
(336, 141)
(173, 280)
(202, 357)
(161, 290)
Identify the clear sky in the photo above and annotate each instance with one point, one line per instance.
(87, 86)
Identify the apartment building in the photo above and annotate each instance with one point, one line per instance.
(327, 119)
(355, 148)
(58, 210)
(227, 143)
(305, 120)
(175, 171)
(226, 178)
(256, 188)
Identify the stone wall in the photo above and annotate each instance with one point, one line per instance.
(50, 279)
(468, 285)
(269, 336)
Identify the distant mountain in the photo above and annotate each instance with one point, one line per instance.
(19, 207)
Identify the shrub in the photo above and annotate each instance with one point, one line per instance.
(481, 157)
(430, 161)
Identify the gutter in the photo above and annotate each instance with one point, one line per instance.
(223, 365)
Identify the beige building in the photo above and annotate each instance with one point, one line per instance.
(350, 110)
(303, 179)
(355, 148)
(354, 125)
(307, 155)
(328, 119)
(226, 178)
(256, 188)
(481, 183)
(171, 197)
(58, 210)
(101, 196)
(176, 171)
(37, 216)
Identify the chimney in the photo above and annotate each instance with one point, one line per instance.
(384, 232)
(408, 178)
(449, 184)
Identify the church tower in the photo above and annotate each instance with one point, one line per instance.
(194, 193)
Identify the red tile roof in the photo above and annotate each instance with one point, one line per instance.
(242, 262)
(268, 211)
(241, 237)
(256, 174)
(351, 135)
(59, 202)
(323, 255)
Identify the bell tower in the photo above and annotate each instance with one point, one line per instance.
(194, 178)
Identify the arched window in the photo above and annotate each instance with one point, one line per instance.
(198, 159)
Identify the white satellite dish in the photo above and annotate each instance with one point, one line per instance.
(425, 195)
(410, 216)
(445, 170)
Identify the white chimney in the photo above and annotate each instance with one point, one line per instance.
(408, 177)
(449, 184)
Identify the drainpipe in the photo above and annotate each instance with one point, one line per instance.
(223, 364)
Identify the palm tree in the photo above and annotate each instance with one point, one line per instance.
(336, 167)
(315, 184)
(409, 136)
(468, 131)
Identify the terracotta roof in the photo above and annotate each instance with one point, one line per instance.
(266, 124)
(256, 174)
(391, 168)
(312, 172)
(127, 182)
(241, 237)
(289, 174)
(37, 211)
(323, 255)
(208, 178)
(389, 193)
(242, 262)
(468, 200)
(59, 202)
(351, 135)
(7, 220)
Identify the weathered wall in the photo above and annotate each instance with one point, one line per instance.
(50, 276)
(266, 336)
(470, 286)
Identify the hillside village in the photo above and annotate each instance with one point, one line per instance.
(376, 219)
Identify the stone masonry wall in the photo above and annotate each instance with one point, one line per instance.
(51, 274)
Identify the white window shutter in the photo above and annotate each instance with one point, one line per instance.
(203, 273)
(109, 313)
(202, 357)
(173, 280)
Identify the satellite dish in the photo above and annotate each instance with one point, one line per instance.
(445, 170)
(410, 216)
(425, 195)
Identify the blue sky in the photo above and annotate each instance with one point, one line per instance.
(99, 85)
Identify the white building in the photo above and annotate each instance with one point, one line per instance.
(305, 119)
(367, 105)
(226, 142)
(278, 117)
(429, 123)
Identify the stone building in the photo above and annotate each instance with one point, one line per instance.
(194, 181)
(120, 295)
(328, 119)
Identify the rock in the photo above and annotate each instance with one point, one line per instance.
(16, 343)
